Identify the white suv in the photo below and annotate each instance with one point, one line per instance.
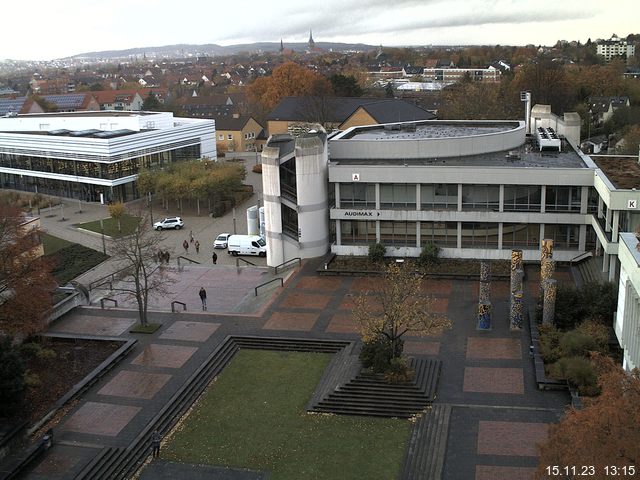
(221, 240)
(170, 222)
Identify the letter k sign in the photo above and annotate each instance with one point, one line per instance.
(632, 204)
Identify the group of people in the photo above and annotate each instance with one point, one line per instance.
(186, 243)
(163, 256)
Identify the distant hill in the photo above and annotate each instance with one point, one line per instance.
(184, 50)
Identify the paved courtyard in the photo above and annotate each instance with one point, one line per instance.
(498, 414)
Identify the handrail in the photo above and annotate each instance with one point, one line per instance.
(111, 276)
(102, 300)
(107, 282)
(267, 283)
(243, 260)
(173, 306)
(185, 258)
(297, 259)
(580, 257)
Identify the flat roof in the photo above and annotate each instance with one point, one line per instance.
(526, 155)
(424, 130)
(622, 172)
(91, 113)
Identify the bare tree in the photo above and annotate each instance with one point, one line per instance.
(397, 307)
(142, 274)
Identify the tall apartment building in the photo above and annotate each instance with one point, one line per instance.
(615, 47)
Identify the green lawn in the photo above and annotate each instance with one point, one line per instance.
(253, 417)
(52, 244)
(128, 224)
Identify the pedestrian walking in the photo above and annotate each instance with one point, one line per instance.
(214, 257)
(167, 256)
(197, 245)
(155, 444)
(191, 236)
(185, 245)
(160, 256)
(203, 297)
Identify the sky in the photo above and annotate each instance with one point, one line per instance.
(48, 30)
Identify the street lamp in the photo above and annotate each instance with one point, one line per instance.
(150, 201)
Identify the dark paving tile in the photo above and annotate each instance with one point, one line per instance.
(93, 325)
(493, 380)
(421, 348)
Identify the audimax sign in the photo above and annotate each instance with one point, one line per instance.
(361, 213)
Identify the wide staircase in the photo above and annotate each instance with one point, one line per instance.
(590, 270)
(363, 393)
(424, 459)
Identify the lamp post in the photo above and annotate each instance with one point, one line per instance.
(104, 246)
(150, 201)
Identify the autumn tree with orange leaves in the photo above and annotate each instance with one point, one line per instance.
(287, 80)
(605, 432)
(26, 282)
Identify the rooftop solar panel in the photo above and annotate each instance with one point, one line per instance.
(65, 101)
(11, 105)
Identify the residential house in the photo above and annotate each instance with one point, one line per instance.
(125, 100)
(238, 133)
(615, 47)
(602, 108)
(341, 112)
(72, 102)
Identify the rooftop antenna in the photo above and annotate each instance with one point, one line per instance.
(526, 98)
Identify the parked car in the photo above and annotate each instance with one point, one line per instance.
(221, 240)
(247, 245)
(169, 222)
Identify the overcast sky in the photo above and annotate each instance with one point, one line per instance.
(44, 30)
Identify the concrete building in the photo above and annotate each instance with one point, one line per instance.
(627, 316)
(450, 76)
(615, 47)
(96, 156)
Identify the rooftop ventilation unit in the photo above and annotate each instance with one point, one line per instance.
(548, 139)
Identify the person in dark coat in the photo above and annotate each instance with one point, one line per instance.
(214, 257)
(203, 297)
(155, 443)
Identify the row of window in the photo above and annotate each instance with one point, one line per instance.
(442, 196)
(247, 136)
(107, 171)
(445, 234)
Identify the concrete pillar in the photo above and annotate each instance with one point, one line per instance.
(459, 233)
(337, 194)
(516, 311)
(613, 261)
(605, 262)
(484, 316)
(500, 231)
(582, 238)
(615, 225)
(459, 198)
(377, 197)
(584, 200)
(501, 199)
(549, 302)
(607, 221)
(272, 206)
(543, 199)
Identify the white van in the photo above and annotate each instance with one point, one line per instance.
(246, 245)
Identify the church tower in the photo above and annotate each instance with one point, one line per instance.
(312, 44)
(281, 47)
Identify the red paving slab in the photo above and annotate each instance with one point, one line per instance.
(367, 284)
(421, 348)
(135, 384)
(493, 472)
(305, 300)
(57, 462)
(164, 356)
(319, 283)
(494, 348)
(90, 325)
(302, 322)
(436, 287)
(101, 418)
(342, 323)
(510, 438)
(190, 331)
(348, 303)
(493, 380)
(439, 305)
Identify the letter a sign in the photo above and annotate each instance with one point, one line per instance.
(355, 177)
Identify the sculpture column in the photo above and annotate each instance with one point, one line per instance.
(547, 269)
(516, 264)
(549, 302)
(484, 301)
(516, 313)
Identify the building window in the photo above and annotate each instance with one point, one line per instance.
(522, 198)
(221, 137)
(289, 222)
(439, 196)
(358, 232)
(443, 234)
(398, 234)
(480, 197)
(564, 236)
(357, 195)
(288, 179)
(230, 136)
(563, 199)
(520, 235)
(479, 235)
(398, 196)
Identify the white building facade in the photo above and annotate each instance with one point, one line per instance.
(96, 156)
